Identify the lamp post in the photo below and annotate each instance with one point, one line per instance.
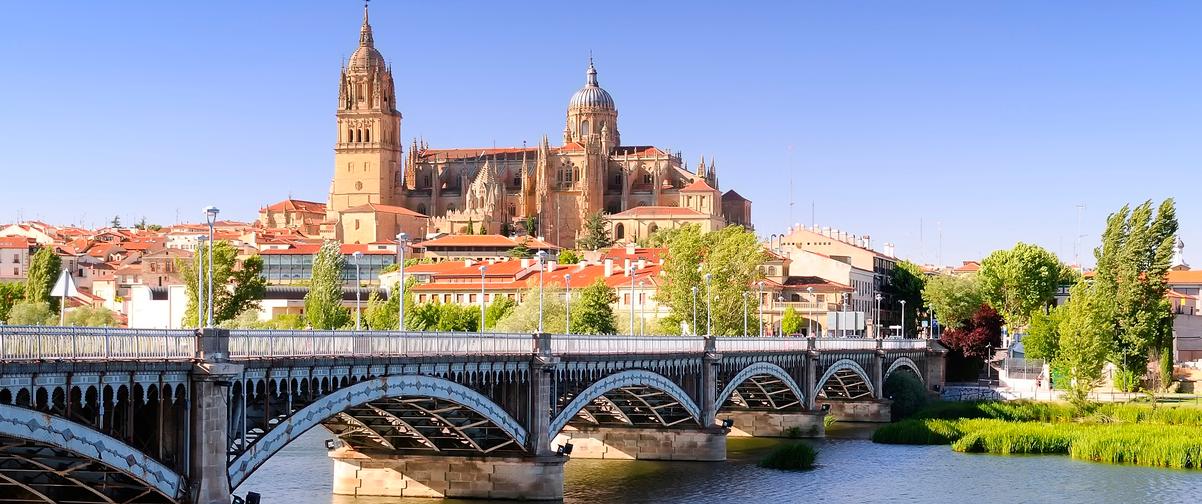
(745, 293)
(630, 271)
(810, 294)
(694, 310)
(567, 303)
(483, 268)
(903, 318)
(846, 300)
(709, 305)
(200, 283)
(761, 303)
(401, 240)
(876, 317)
(542, 265)
(642, 312)
(358, 305)
(211, 217)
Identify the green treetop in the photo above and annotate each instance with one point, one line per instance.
(1019, 281)
(954, 298)
(731, 256)
(596, 236)
(236, 288)
(790, 322)
(592, 312)
(323, 303)
(44, 269)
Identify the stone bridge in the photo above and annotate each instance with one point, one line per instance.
(93, 415)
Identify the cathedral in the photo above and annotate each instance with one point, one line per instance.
(379, 189)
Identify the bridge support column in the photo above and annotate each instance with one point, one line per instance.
(211, 378)
(401, 475)
(538, 425)
(628, 443)
(709, 389)
(878, 370)
(874, 411)
(934, 369)
(776, 424)
(811, 379)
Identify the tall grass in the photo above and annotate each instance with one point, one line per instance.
(918, 432)
(791, 457)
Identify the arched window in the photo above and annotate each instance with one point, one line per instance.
(584, 128)
(619, 231)
(367, 135)
(796, 298)
(350, 135)
(358, 135)
(651, 228)
(421, 208)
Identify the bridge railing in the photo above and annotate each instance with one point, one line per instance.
(757, 344)
(845, 343)
(904, 344)
(36, 343)
(574, 344)
(252, 344)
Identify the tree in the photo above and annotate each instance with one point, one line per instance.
(906, 284)
(506, 229)
(596, 236)
(116, 222)
(954, 298)
(521, 251)
(382, 314)
(1043, 335)
(731, 256)
(32, 313)
(1020, 281)
(323, 303)
(567, 257)
(524, 318)
(531, 225)
(237, 288)
(593, 313)
(973, 338)
(498, 309)
(44, 269)
(1083, 341)
(91, 316)
(471, 228)
(11, 293)
(1132, 266)
(790, 322)
(458, 318)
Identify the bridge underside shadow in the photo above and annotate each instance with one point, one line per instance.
(37, 472)
(768, 404)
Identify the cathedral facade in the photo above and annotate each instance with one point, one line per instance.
(552, 187)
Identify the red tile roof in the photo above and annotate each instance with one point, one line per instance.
(968, 267)
(374, 207)
(311, 249)
(14, 242)
(659, 211)
(290, 205)
(469, 153)
(698, 185)
(1185, 276)
(497, 241)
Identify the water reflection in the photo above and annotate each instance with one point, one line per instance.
(851, 470)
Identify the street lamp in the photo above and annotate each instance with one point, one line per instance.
(846, 300)
(903, 318)
(358, 296)
(211, 217)
(642, 312)
(761, 303)
(876, 317)
(709, 305)
(630, 271)
(483, 268)
(812, 304)
(200, 283)
(401, 240)
(542, 265)
(567, 300)
(694, 310)
(745, 293)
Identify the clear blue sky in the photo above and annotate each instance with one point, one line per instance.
(990, 120)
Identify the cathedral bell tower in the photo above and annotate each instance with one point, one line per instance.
(592, 114)
(367, 154)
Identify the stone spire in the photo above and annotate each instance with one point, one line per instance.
(1179, 256)
(365, 39)
(591, 79)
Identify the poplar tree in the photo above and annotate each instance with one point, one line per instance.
(323, 302)
(595, 314)
(44, 269)
(790, 322)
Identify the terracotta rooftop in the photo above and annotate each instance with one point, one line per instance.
(290, 205)
(697, 185)
(374, 207)
(497, 241)
(10, 242)
(311, 249)
(659, 211)
(1185, 276)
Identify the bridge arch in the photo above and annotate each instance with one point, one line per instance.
(623, 380)
(904, 362)
(843, 370)
(38, 431)
(760, 369)
(362, 393)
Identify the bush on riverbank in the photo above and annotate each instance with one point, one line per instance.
(907, 392)
(918, 432)
(791, 457)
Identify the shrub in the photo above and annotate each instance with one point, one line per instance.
(793, 432)
(907, 393)
(791, 457)
(918, 432)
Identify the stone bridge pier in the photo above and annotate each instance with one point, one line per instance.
(95, 415)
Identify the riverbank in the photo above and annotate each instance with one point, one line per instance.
(1138, 434)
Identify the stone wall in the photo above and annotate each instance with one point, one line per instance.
(860, 411)
(387, 475)
(770, 424)
(624, 443)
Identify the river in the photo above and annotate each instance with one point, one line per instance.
(851, 469)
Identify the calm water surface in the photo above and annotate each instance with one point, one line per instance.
(851, 470)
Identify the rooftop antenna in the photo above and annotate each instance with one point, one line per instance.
(790, 168)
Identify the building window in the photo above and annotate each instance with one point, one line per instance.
(584, 128)
(367, 135)
(647, 178)
(619, 231)
(356, 223)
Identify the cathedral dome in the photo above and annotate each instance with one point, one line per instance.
(592, 95)
(366, 58)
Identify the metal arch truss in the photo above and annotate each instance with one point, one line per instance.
(420, 424)
(50, 459)
(632, 397)
(845, 379)
(904, 362)
(762, 386)
(443, 403)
